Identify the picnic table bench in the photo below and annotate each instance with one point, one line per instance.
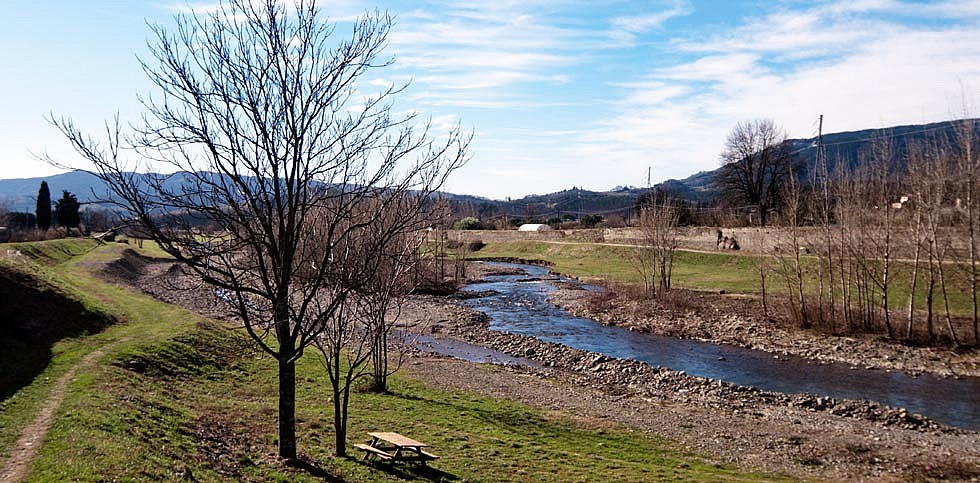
(395, 447)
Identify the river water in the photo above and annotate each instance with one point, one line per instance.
(520, 306)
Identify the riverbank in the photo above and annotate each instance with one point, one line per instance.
(737, 320)
(798, 435)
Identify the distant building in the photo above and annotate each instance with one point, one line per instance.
(534, 227)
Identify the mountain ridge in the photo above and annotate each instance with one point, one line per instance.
(846, 146)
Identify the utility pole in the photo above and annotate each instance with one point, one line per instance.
(826, 219)
(822, 159)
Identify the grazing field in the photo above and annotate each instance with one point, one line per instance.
(173, 395)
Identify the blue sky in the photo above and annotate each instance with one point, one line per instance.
(559, 93)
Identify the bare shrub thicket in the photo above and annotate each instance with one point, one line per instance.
(653, 257)
(362, 300)
(888, 246)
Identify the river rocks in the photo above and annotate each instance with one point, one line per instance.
(735, 320)
(613, 375)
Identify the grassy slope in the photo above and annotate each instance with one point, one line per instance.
(708, 271)
(43, 261)
(177, 394)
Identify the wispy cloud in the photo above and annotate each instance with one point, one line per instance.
(791, 65)
(626, 27)
(595, 91)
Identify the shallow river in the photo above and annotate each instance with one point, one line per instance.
(521, 307)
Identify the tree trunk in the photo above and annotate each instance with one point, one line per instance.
(929, 294)
(886, 262)
(287, 407)
(945, 295)
(915, 275)
(339, 423)
(972, 227)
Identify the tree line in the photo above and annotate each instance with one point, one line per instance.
(64, 213)
(886, 244)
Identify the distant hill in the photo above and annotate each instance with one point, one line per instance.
(843, 147)
(21, 194)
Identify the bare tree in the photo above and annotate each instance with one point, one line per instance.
(654, 257)
(385, 303)
(4, 211)
(791, 267)
(258, 114)
(929, 170)
(865, 197)
(967, 151)
(754, 166)
(364, 283)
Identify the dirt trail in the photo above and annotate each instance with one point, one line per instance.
(32, 436)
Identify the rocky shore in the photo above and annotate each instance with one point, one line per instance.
(600, 371)
(735, 320)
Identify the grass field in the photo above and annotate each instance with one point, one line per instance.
(176, 395)
(711, 271)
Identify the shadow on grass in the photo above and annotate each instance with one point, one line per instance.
(410, 471)
(35, 317)
(313, 469)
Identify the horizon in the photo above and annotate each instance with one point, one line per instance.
(559, 94)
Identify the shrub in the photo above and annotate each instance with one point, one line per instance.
(468, 223)
(589, 221)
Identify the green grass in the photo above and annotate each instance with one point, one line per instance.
(693, 270)
(717, 271)
(43, 262)
(175, 393)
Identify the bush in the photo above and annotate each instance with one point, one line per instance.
(476, 245)
(590, 221)
(468, 223)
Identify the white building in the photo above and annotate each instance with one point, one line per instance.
(534, 227)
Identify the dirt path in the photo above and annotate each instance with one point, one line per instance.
(32, 436)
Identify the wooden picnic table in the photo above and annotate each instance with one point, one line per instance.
(395, 447)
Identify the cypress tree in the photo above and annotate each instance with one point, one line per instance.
(43, 211)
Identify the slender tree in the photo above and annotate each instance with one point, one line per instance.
(654, 256)
(967, 148)
(260, 115)
(43, 210)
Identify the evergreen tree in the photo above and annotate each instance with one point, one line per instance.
(66, 210)
(43, 211)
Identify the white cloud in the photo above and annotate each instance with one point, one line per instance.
(859, 72)
(631, 24)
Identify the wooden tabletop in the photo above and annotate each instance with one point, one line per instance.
(398, 440)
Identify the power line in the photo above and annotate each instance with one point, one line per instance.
(880, 134)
